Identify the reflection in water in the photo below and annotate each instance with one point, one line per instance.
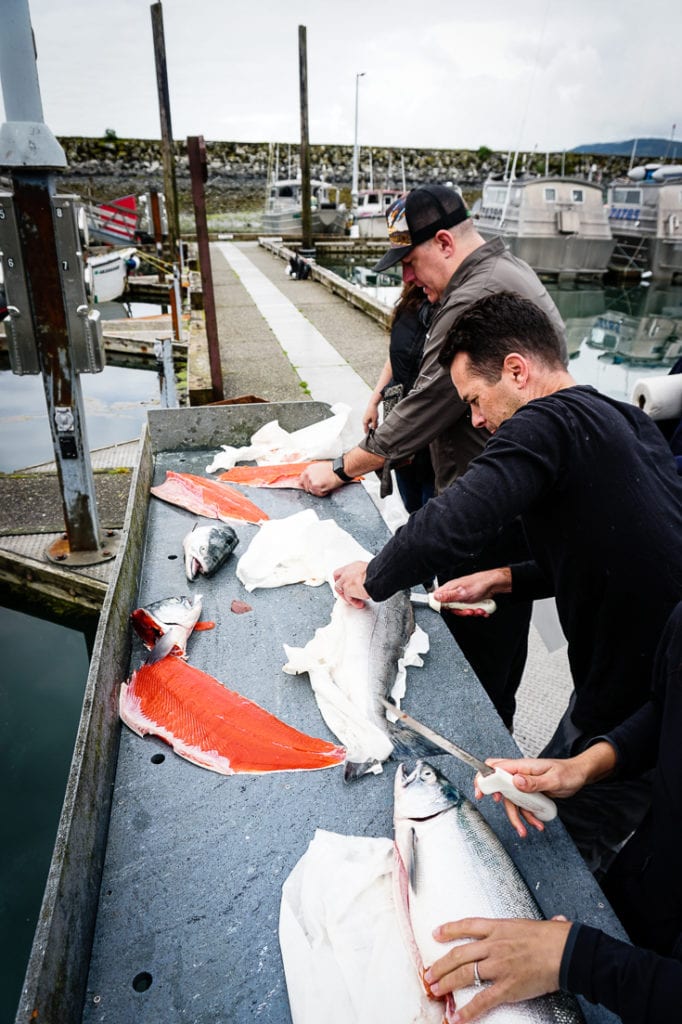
(636, 329)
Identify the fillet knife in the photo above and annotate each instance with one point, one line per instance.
(491, 780)
(416, 598)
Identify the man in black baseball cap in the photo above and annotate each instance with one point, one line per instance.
(416, 217)
(432, 234)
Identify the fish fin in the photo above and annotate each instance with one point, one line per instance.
(164, 645)
(354, 769)
(407, 743)
(412, 861)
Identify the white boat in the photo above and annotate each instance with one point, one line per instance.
(556, 224)
(645, 213)
(639, 340)
(106, 273)
(369, 215)
(283, 208)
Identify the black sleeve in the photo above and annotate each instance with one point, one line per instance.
(642, 987)
(458, 524)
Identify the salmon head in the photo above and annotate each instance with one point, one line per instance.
(423, 792)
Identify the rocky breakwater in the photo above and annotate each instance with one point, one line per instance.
(102, 169)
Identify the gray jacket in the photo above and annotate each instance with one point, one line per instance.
(432, 413)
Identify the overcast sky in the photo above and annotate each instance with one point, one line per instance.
(545, 74)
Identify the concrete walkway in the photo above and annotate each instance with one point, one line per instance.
(284, 340)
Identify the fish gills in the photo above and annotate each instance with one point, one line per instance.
(214, 727)
(208, 498)
(449, 864)
(172, 617)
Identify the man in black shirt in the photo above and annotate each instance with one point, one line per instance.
(600, 500)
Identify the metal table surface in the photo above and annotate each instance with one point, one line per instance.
(187, 925)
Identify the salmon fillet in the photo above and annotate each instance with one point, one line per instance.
(214, 727)
(208, 498)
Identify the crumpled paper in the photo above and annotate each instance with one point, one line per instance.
(297, 549)
(344, 959)
(326, 439)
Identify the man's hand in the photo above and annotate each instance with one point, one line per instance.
(320, 479)
(479, 586)
(349, 583)
(517, 959)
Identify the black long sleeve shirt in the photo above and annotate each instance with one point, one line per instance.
(597, 491)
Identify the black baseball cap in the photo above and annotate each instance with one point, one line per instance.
(417, 216)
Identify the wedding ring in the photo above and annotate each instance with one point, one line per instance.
(477, 977)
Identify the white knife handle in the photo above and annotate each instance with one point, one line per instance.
(502, 782)
(487, 606)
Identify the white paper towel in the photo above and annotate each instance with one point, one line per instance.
(660, 397)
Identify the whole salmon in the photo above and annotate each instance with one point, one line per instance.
(449, 864)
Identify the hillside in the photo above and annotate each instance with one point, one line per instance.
(654, 149)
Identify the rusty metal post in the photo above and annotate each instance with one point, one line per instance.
(196, 149)
(170, 186)
(306, 219)
(155, 209)
(31, 153)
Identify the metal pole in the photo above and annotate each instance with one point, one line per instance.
(30, 151)
(196, 149)
(306, 219)
(354, 184)
(170, 186)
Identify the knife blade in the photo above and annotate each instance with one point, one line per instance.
(491, 780)
(416, 598)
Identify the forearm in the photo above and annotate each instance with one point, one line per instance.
(357, 462)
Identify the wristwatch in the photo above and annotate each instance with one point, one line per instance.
(337, 466)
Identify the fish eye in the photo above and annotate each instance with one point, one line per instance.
(428, 773)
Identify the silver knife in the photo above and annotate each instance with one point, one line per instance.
(487, 605)
(491, 780)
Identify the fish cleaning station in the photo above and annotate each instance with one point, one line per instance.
(175, 891)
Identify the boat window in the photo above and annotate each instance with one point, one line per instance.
(388, 200)
(550, 195)
(626, 195)
(287, 191)
(577, 195)
(373, 198)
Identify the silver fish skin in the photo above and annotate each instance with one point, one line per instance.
(372, 650)
(206, 548)
(449, 864)
(165, 626)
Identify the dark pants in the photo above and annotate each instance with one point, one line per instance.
(600, 817)
(495, 647)
(644, 883)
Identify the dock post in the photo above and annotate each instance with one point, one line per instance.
(306, 217)
(45, 272)
(196, 150)
(170, 186)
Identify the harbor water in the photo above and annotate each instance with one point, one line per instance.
(614, 339)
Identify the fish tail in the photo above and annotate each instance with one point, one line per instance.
(407, 743)
(354, 769)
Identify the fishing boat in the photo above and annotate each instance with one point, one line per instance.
(556, 224)
(645, 214)
(283, 208)
(369, 215)
(638, 340)
(106, 272)
(127, 220)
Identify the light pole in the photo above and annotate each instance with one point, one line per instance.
(354, 185)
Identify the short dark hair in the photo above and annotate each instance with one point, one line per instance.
(495, 326)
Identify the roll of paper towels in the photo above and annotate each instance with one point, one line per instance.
(660, 397)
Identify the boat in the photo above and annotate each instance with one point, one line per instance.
(124, 221)
(638, 340)
(283, 208)
(645, 213)
(369, 214)
(556, 224)
(106, 272)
